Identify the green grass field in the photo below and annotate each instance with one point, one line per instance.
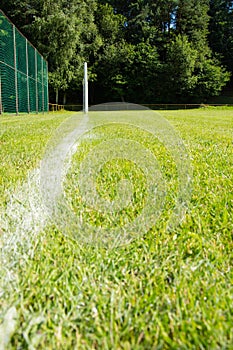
(167, 289)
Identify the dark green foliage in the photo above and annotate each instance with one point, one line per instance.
(129, 72)
(143, 51)
(221, 30)
(190, 74)
(192, 20)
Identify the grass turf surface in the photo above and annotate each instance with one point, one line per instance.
(166, 290)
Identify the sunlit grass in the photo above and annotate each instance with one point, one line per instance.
(22, 141)
(166, 290)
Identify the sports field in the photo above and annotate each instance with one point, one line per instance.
(165, 281)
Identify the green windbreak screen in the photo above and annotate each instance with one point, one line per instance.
(23, 72)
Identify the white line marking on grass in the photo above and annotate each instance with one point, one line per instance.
(21, 222)
(7, 328)
(24, 217)
(56, 162)
(21, 225)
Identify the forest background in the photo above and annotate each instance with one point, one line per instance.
(144, 51)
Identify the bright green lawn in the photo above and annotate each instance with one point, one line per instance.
(166, 290)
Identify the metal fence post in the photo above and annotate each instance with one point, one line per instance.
(27, 72)
(36, 81)
(42, 82)
(16, 75)
(0, 93)
(47, 85)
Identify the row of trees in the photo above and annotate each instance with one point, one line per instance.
(142, 51)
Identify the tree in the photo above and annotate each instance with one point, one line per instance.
(110, 25)
(192, 20)
(221, 30)
(197, 71)
(211, 78)
(144, 73)
(21, 13)
(139, 50)
(145, 19)
(178, 72)
(190, 74)
(59, 30)
(112, 71)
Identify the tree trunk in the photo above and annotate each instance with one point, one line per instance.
(57, 95)
(64, 98)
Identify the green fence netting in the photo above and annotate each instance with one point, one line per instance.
(23, 72)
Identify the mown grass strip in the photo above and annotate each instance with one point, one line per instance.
(165, 290)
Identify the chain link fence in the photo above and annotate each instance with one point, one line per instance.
(23, 72)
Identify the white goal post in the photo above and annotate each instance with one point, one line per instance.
(85, 89)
